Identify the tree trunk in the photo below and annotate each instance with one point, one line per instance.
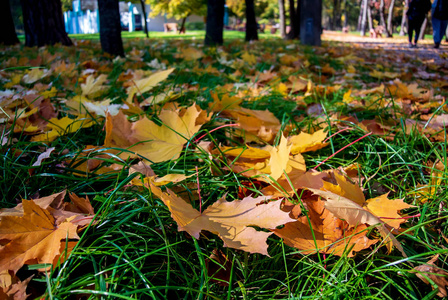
(251, 22)
(145, 23)
(381, 10)
(281, 8)
(44, 23)
(345, 14)
(364, 17)
(404, 19)
(110, 27)
(8, 34)
(336, 24)
(294, 20)
(390, 29)
(215, 22)
(182, 25)
(310, 22)
(361, 11)
(369, 17)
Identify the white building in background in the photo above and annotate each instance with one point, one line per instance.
(84, 17)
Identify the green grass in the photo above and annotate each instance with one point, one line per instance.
(134, 250)
(190, 34)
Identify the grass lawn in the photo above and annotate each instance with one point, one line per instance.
(361, 128)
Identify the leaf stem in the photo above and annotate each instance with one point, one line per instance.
(354, 142)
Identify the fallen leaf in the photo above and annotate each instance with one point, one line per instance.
(144, 85)
(33, 236)
(305, 142)
(93, 87)
(16, 290)
(154, 142)
(229, 220)
(435, 274)
(327, 234)
(219, 268)
(355, 215)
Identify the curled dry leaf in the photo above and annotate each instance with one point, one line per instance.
(327, 234)
(229, 220)
(435, 274)
(16, 290)
(219, 267)
(355, 215)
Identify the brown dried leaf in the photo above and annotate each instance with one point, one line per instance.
(434, 273)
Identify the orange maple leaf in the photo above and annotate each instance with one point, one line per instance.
(328, 233)
(32, 237)
(229, 220)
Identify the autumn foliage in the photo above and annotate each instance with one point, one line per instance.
(152, 124)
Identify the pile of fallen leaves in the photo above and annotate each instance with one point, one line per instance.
(176, 99)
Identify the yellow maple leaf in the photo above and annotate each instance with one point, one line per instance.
(35, 74)
(190, 54)
(250, 59)
(388, 209)
(93, 87)
(63, 126)
(144, 85)
(305, 142)
(154, 142)
(279, 159)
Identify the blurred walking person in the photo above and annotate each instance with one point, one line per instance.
(416, 15)
(439, 20)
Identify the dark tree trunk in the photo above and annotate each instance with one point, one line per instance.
(251, 22)
(8, 34)
(182, 25)
(310, 22)
(336, 21)
(281, 8)
(215, 22)
(145, 23)
(110, 27)
(345, 14)
(294, 20)
(44, 23)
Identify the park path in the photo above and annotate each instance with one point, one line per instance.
(424, 51)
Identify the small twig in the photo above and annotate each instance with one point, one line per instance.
(222, 126)
(354, 142)
(408, 217)
(340, 131)
(199, 190)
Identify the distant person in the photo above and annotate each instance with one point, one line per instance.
(416, 15)
(439, 20)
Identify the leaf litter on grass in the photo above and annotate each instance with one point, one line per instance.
(222, 110)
